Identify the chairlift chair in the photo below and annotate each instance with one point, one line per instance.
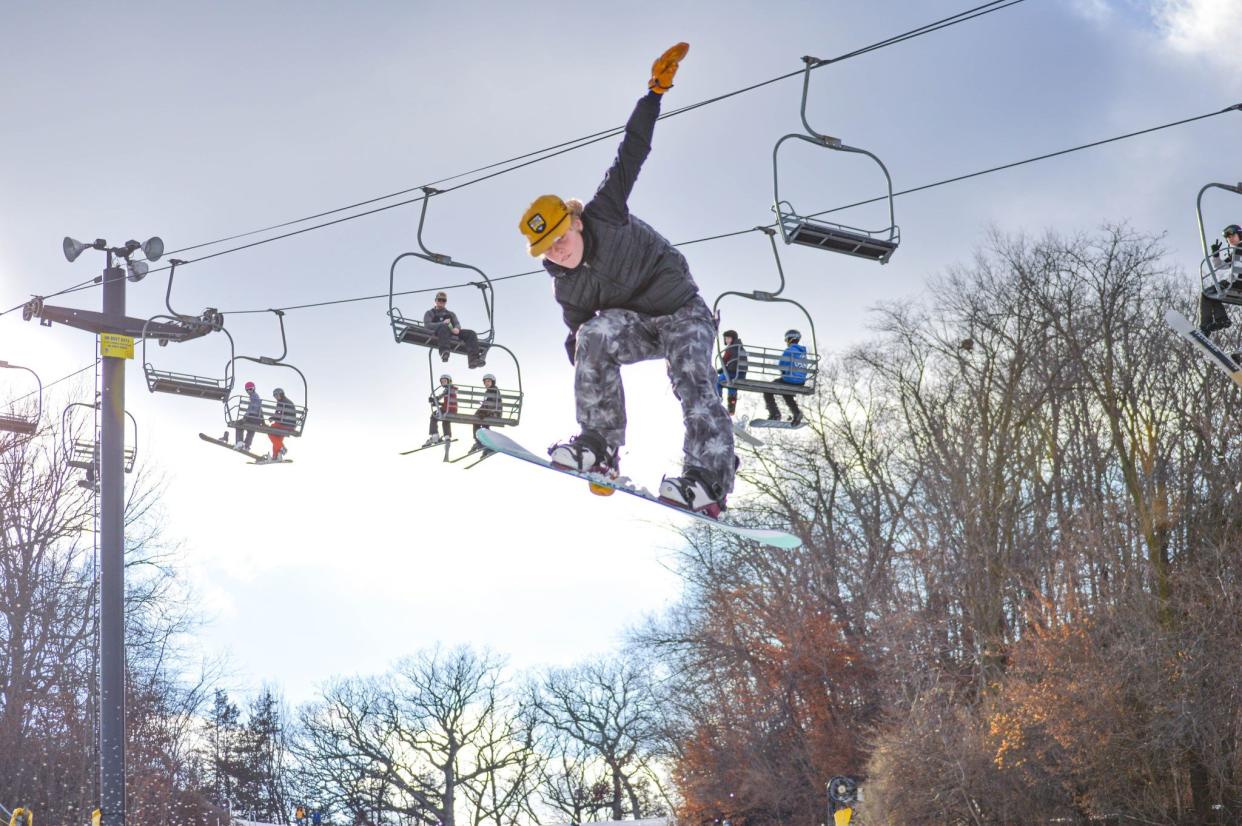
(764, 368)
(11, 421)
(83, 453)
(185, 384)
(1222, 282)
(874, 245)
(411, 330)
(470, 398)
(235, 407)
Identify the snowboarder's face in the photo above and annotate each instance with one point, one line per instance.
(1233, 238)
(728, 340)
(567, 250)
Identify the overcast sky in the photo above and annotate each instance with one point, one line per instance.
(199, 121)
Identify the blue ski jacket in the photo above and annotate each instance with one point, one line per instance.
(794, 364)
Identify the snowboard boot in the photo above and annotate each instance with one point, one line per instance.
(797, 418)
(476, 362)
(444, 355)
(585, 453)
(695, 491)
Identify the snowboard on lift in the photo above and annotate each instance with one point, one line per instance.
(776, 424)
(740, 431)
(259, 458)
(600, 483)
(1208, 348)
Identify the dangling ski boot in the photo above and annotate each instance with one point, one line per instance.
(587, 453)
(694, 491)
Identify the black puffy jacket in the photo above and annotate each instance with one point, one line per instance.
(625, 263)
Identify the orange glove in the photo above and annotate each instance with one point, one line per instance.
(665, 67)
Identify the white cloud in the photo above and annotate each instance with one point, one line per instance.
(1097, 11)
(1201, 28)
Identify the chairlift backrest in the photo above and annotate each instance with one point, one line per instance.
(11, 421)
(808, 230)
(410, 329)
(470, 397)
(82, 452)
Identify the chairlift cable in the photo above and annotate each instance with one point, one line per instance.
(586, 140)
(551, 151)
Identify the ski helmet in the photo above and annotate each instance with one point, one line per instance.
(446, 377)
(1232, 229)
(729, 334)
(489, 376)
(793, 335)
(278, 392)
(249, 385)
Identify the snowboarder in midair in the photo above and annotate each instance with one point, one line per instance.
(1212, 315)
(627, 296)
(793, 366)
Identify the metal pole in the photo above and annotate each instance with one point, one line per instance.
(112, 564)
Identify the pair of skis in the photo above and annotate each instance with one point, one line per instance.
(478, 452)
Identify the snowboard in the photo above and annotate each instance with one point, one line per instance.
(739, 430)
(767, 536)
(1208, 348)
(259, 458)
(776, 424)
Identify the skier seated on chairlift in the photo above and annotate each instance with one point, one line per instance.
(444, 324)
(793, 371)
(253, 415)
(285, 417)
(734, 360)
(491, 405)
(443, 402)
(1212, 315)
(627, 296)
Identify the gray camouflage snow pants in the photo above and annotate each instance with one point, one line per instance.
(685, 340)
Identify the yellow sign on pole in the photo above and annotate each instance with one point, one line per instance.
(116, 346)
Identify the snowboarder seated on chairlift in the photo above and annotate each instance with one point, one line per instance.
(1212, 315)
(734, 361)
(284, 418)
(627, 296)
(253, 415)
(444, 402)
(443, 322)
(491, 405)
(793, 371)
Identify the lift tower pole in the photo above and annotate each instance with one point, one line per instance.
(112, 563)
(116, 333)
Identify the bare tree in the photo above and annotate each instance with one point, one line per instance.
(607, 707)
(433, 739)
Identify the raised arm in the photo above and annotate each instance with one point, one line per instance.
(611, 199)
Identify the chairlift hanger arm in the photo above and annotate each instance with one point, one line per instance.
(1234, 188)
(96, 322)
